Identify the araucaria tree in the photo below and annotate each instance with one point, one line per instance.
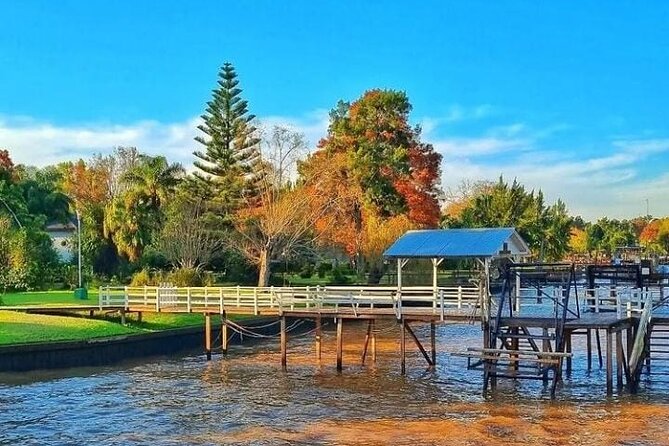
(228, 162)
(373, 164)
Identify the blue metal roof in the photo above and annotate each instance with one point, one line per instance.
(443, 243)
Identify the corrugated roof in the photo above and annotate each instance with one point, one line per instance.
(443, 243)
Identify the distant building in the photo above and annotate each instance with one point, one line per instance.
(61, 237)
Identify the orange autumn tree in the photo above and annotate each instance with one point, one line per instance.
(373, 166)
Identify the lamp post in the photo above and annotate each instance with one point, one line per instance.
(79, 245)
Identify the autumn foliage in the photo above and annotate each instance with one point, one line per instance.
(374, 173)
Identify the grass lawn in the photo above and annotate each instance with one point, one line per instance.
(20, 328)
(48, 298)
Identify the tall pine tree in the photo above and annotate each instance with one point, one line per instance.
(228, 164)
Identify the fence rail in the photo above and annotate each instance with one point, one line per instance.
(258, 299)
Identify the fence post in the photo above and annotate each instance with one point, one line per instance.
(158, 298)
(239, 296)
(220, 297)
(596, 293)
(206, 297)
(125, 297)
(441, 298)
(255, 301)
(100, 298)
(459, 297)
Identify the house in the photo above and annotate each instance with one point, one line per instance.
(62, 235)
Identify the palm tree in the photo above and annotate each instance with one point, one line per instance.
(155, 178)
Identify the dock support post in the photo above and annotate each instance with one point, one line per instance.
(403, 367)
(284, 345)
(367, 336)
(433, 342)
(599, 347)
(408, 329)
(588, 346)
(318, 337)
(619, 359)
(340, 329)
(224, 334)
(373, 341)
(207, 335)
(568, 349)
(609, 362)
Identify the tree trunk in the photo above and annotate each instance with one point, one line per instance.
(264, 268)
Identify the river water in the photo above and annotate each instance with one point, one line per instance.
(245, 399)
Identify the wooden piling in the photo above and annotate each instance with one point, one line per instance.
(619, 360)
(224, 334)
(433, 342)
(408, 329)
(340, 329)
(599, 347)
(207, 335)
(588, 346)
(284, 342)
(373, 341)
(318, 337)
(403, 366)
(367, 337)
(609, 362)
(568, 334)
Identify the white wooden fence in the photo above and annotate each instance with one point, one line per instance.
(256, 299)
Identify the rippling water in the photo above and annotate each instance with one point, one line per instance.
(246, 399)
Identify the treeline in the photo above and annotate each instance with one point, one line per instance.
(255, 200)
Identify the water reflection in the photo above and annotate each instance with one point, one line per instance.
(246, 399)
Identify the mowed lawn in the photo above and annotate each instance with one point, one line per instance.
(47, 298)
(21, 328)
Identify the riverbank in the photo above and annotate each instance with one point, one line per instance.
(124, 342)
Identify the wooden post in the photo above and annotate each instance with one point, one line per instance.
(367, 336)
(340, 328)
(599, 347)
(402, 347)
(545, 347)
(123, 317)
(284, 346)
(373, 342)
(619, 359)
(568, 349)
(224, 334)
(609, 362)
(433, 342)
(207, 335)
(588, 341)
(318, 337)
(139, 316)
(408, 329)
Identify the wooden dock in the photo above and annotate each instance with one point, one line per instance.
(528, 345)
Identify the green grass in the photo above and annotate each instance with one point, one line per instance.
(21, 328)
(48, 298)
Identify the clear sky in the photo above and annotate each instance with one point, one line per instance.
(568, 96)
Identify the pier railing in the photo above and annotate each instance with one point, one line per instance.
(260, 299)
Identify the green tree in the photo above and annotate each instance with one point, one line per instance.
(228, 163)
(546, 229)
(154, 178)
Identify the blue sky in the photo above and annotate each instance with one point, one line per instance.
(568, 96)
